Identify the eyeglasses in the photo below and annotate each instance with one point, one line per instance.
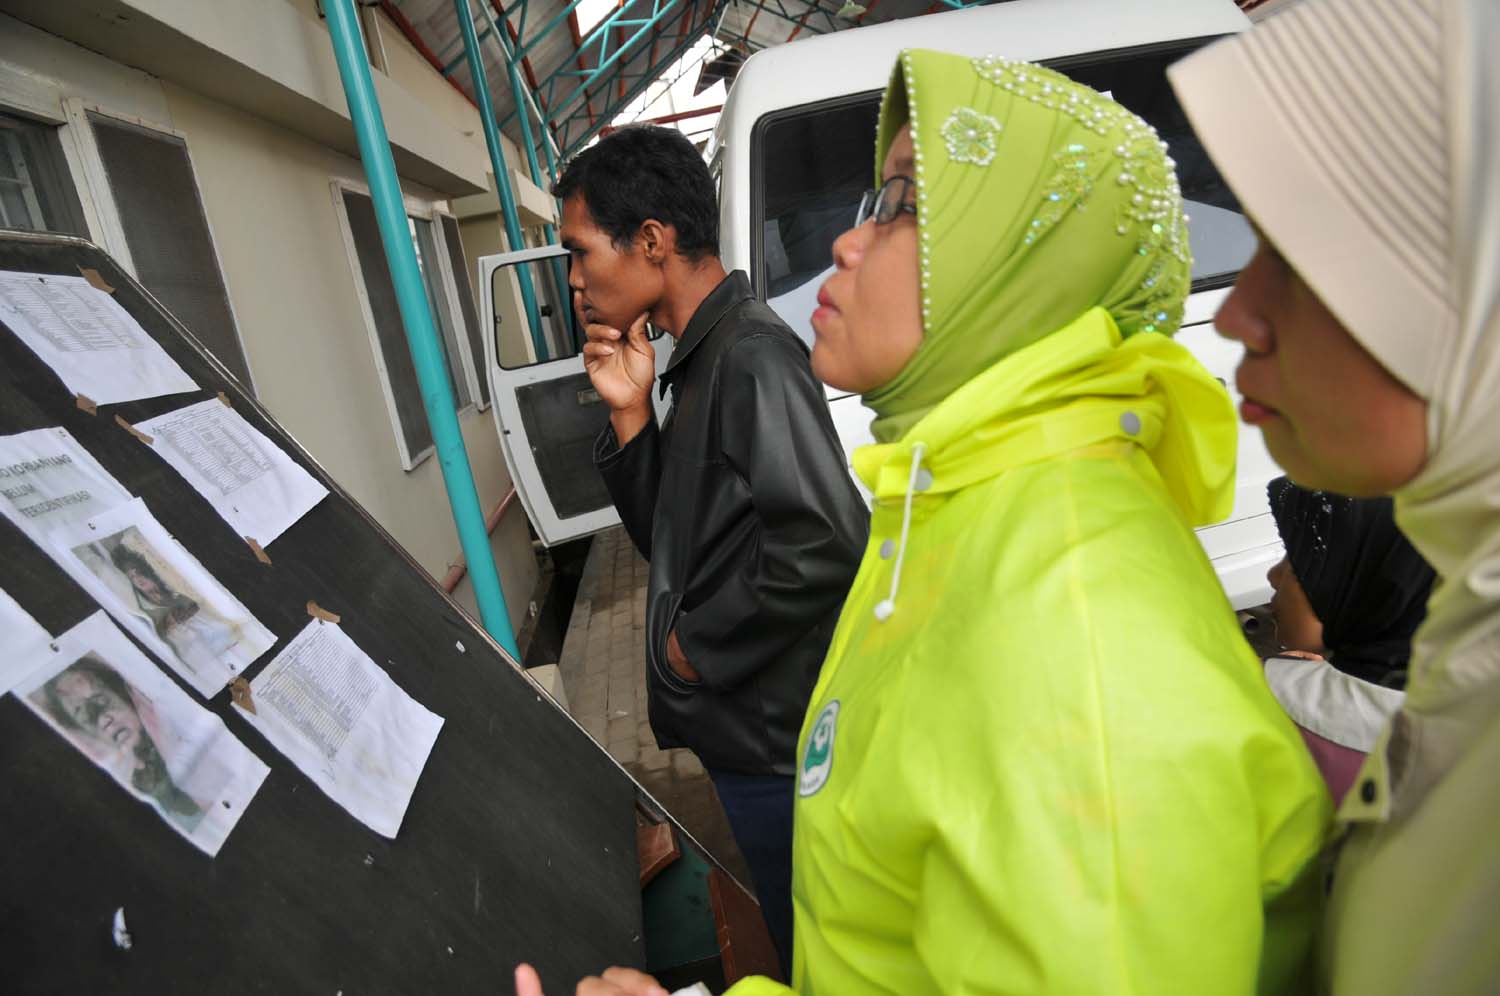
(886, 204)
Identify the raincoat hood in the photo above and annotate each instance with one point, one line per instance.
(1082, 386)
(1038, 198)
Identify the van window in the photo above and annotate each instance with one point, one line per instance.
(1221, 238)
(812, 164)
(815, 163)
(562, 336)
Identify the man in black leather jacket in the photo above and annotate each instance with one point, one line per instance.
(741, 499)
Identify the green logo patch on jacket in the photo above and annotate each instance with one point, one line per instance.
(818, 760)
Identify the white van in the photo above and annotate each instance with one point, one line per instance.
(793, 152)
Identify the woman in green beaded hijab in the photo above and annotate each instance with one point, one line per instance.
(1040, 756)
(1036, 199)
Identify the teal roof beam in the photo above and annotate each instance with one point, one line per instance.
(781, 12)
(660, 10)
(525, 49)
(458, 43)
(525, 12)
(600, 35)
(557, 19)
(686, 41)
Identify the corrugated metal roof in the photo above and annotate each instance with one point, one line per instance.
(581, 82)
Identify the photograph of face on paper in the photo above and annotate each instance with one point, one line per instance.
(109, 719)
(106, 699)
(158, 591)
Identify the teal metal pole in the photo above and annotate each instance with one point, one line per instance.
(421, 334)
(559, 274)
(502, 175)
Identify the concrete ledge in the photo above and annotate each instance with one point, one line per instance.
(269, 59)
(535, 205)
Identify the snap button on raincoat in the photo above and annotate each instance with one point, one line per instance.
(1054, 765)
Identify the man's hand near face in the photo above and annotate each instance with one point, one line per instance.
(622, 367)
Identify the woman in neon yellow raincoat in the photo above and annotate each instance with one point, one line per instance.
(1040, 757)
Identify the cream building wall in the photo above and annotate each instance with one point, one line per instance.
(268, 192)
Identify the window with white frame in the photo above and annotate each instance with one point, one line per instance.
(383, 316)
(165, 230)
(36, 191)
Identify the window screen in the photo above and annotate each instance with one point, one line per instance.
(36, 192)
(400, 374)
(156, 195)
(469, 312)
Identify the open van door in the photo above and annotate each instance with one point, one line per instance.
(546, 410)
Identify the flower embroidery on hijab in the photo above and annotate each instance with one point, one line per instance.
(970, 136)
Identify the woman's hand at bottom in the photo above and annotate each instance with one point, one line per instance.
(614, 982)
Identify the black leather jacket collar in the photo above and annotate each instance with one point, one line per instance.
(732, 290)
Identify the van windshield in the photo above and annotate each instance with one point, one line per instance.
(815, 162)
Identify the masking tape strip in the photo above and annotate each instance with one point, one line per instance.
(318, 612)
(86, 404)
(95, 280)
(132, 430)
(255, 548)
(224, 400)
(239, 693)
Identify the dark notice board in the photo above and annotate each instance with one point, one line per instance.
(519, 842)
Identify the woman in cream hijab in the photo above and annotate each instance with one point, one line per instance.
(1364, 138)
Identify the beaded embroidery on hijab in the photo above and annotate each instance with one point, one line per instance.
(1154, 209)
(1037, 199)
